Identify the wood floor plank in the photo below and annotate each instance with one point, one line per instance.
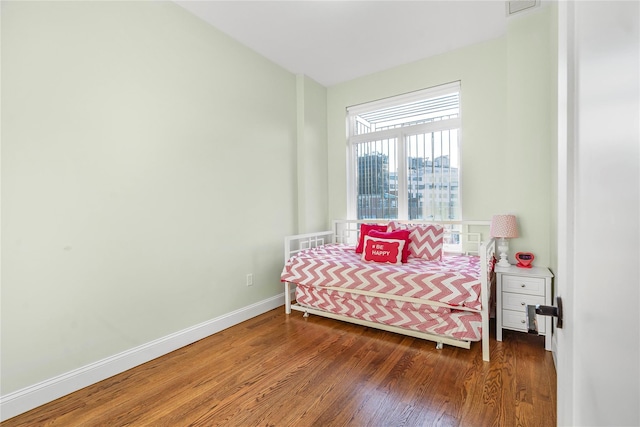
(285, 370)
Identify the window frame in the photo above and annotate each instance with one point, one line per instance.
(400, 134)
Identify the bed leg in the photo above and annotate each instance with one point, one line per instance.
(439, 345)
(287, 298)
(306, 314)
(485, 349)
(485, 335)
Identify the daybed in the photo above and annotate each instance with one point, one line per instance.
(432, 282)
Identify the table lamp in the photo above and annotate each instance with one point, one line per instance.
(503, 227)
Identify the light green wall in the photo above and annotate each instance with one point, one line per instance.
(312, 155)
(507, 134)
(148, 165)
(482, 71)
(531, 131)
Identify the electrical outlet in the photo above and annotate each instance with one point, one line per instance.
(249, 279)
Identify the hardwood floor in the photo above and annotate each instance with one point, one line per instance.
(279, 370)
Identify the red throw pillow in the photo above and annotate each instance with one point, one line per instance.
(395, 235)
(383, 250)
(364, 230)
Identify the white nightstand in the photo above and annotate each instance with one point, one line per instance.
(517, 288)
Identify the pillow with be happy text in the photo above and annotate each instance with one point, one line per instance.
(382, 250)
(395, 235)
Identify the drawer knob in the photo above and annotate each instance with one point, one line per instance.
(522, 285)
(522, 303)
(523, 321)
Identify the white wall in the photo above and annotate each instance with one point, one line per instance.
(148, 164)
(507, 126)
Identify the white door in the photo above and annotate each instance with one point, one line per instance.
(598, 349)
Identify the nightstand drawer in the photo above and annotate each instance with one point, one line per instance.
(518, 320)
(519, 302)
(523, 285)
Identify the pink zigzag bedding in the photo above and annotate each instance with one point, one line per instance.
(454, 280)
(462, 325)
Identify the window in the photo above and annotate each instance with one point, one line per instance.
(404, 156)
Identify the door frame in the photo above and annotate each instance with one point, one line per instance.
(565, 210)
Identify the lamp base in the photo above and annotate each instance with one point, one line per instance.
(503, 262)
(503, 248)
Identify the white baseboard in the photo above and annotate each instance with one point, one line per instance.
(38, 394)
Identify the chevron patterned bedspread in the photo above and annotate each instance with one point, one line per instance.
(462, 325)
(455, 280)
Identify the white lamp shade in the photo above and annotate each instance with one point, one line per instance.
(504, 226)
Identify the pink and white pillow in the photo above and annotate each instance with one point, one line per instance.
(396, 235)
(426, 241)
(382, 250)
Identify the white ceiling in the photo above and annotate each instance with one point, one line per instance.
(336, 41)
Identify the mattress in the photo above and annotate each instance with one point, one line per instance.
(453, 281)
(462, 325)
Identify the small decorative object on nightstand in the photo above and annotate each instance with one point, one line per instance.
(524, 259)
(515, 289)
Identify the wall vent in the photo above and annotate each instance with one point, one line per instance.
(515, 6)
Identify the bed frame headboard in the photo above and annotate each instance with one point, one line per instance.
(459, 236)
(463, 237)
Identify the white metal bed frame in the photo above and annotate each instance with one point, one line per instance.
(347, 231)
